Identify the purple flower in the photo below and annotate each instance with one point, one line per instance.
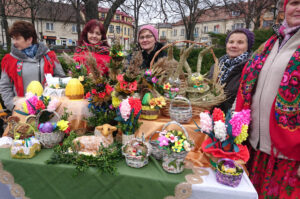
(163, 141)
(148, 72)
(154, 80)
(78, 67)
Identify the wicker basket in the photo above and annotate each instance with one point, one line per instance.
(23, 130)
(200, 101)
(232, 180)
(149, 113)
(136, 161)
(48, 140)
(179, 111)
(174, 162)
(157, 152)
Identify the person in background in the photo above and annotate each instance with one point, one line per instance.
(270, 87)
(27, 61)
(239, 43)
(93, 40)
(148, 43)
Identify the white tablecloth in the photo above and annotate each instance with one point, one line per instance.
(211, 189)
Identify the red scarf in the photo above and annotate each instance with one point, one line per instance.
(13, 68)
(285, 113)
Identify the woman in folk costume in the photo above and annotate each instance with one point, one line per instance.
(239, 43)
(270, 86)
(93, 40)
(27, 61)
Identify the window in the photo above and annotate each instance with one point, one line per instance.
(237, 25)
(196, 32)
(49, 26)
(111, 29)
(128, 31)
(204, 38)
(163, 33)
(267, 23)
(175, 32)
(102, 15)
(216, 28)
(235, 13)
(205, 29)
(182, 32)
(117, 17)
(118, 30)
(124, 30)
(74, 28)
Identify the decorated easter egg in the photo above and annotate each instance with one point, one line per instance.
(35, 87)
(146, 99)
(74, 89)
(47, 127)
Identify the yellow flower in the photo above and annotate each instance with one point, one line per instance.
(81, 78)
(63, 125)
(183, 137)
(25, 109)
(167, 86)
(179, 133)
(152, 103)
(120, 53)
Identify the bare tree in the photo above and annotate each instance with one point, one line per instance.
(91, 9)
(115, 4)
(32, 5)
(251, 10)
(190, 11)
(3, 6)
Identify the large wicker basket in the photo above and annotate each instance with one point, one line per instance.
(200, 101)
(181, 110)
(49, 140)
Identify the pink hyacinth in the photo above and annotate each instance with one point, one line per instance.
(238, 120)
(53, 104)
(205, 122)
(125, 109)
(33, 101)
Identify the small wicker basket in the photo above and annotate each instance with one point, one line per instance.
(136, 161)
(147, 112)
(48, 140)
(23, 130)
(174, 162)
(233, 179)
(181, 110)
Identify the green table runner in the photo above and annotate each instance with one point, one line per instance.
(40, 180)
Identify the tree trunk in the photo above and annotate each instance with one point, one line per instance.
(111, 12)
(5, 24)
(91, 9)
(78, 19)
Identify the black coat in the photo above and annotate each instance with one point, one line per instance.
(232, 85)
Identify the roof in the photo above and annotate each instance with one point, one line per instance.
(164, 25)
(118, 12)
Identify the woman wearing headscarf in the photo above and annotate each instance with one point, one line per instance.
(270, 87)
(239, 43)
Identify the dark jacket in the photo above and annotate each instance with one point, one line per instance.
(148, 57)
(232, 85)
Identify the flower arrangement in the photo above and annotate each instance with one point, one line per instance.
(151, 106)
(101, 93)
(34, 104)
(225, 131)
(49, 127)
(170, 91)
(229, 172)
(126, 86)
(128, 114)
(174, 141)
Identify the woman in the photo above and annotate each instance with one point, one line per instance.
(27, 61)
(93, 40)
(238, 49)
(270, 86)
(148, 42)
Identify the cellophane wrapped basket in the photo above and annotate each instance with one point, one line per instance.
(181, 110)
(132, 159)
(49, 140)
(230, 179)
(200, 101)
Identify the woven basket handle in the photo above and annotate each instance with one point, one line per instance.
(182, 99)
(172, 44)
(40, 113)
(178, 124)
(150, 138)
